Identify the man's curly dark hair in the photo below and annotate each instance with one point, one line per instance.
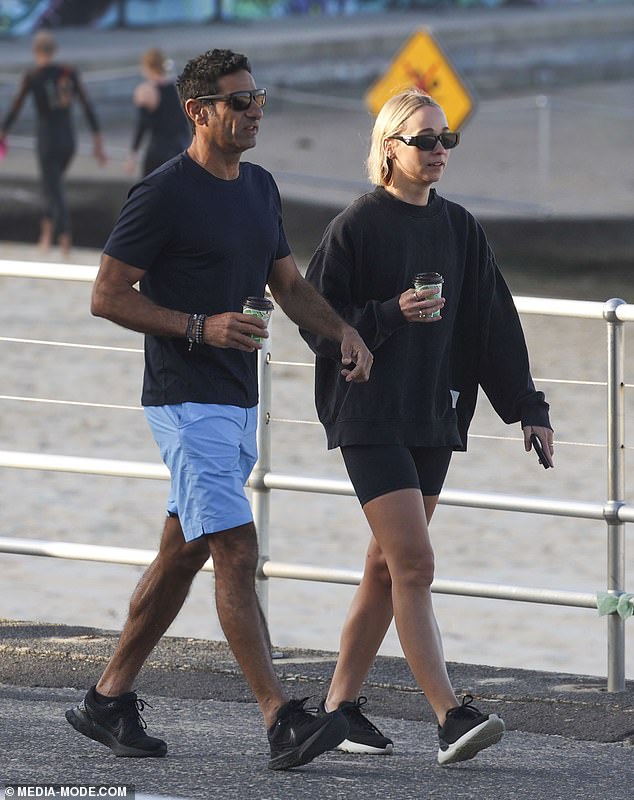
(200, 75)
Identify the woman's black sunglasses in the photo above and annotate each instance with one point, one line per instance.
(239, 101)
(427, 141)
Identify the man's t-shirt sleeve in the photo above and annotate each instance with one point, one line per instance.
(142, 229)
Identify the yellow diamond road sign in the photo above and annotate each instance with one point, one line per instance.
(422, 63)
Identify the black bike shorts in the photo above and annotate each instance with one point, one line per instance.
(375, 470)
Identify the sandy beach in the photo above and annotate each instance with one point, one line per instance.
(495, 547)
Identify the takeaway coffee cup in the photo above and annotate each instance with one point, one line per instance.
(430, 280)
(258, 307)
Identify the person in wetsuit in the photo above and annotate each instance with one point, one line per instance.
(54, 87)
(160, 116)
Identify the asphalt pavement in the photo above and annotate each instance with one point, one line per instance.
(566, 736)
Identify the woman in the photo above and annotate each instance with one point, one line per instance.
(54, 88)
(159, 116)
(397, 432)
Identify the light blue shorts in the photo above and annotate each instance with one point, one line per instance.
(210, 451)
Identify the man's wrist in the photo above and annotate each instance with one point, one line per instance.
(346, 330)
(194, 332)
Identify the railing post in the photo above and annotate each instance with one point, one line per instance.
(542, 102)
(616, 490)
(261, 499)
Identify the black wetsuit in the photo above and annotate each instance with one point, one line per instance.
(54, 87)
(167, 126)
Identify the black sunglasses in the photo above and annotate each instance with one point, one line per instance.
(239, 101)
(427, 141)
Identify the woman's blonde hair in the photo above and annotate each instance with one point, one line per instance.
(389, 121)
(154, 59)
(44, 42)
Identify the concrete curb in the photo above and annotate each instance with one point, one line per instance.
(573, 706)
(538, 241)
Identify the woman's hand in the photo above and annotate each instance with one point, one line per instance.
(545, 436)
(416, 306)
(130, 165)
(98, 151)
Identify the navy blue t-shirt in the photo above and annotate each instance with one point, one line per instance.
(205, 244)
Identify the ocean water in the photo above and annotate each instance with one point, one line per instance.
(478, 545)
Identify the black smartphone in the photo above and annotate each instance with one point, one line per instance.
(537, 445)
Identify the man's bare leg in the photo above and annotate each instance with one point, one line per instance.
(154, 605)
(295, 736)
(235, 555)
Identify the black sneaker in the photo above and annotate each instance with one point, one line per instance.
(117, 724)
(363, 736)
(297, 736)
(467, 731)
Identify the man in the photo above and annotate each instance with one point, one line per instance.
(200, 234)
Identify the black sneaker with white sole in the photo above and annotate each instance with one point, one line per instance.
(297, 736)
(118, 724)
(466, 731)
(363, 736)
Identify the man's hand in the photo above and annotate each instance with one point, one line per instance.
(234, 330)
(354, 351)
(545, 436)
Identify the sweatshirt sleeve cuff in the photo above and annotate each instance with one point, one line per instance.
(392, 315)
(536, 413)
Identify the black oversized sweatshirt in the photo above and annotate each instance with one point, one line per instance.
(424, 382)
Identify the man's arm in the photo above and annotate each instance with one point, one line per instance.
(302, 303)
(115, 298)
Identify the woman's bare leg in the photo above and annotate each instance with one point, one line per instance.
(46, 235)
(399, 525)
(367, 622)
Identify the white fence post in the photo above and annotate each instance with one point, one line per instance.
(616, 491)
(261, 501)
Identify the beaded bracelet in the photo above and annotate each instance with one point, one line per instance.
(195, 329)
(189, 333)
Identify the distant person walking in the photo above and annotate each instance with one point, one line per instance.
(160, 117)
(54, 88)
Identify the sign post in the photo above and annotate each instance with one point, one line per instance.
(422, 63)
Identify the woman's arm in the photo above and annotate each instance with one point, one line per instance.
(16, 106)
(302, 303)
(98, 150)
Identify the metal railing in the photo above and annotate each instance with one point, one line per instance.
(614, 511)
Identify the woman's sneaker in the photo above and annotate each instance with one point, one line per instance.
(363, 736)
(118, 724)
(466, 731)
(297, 736)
